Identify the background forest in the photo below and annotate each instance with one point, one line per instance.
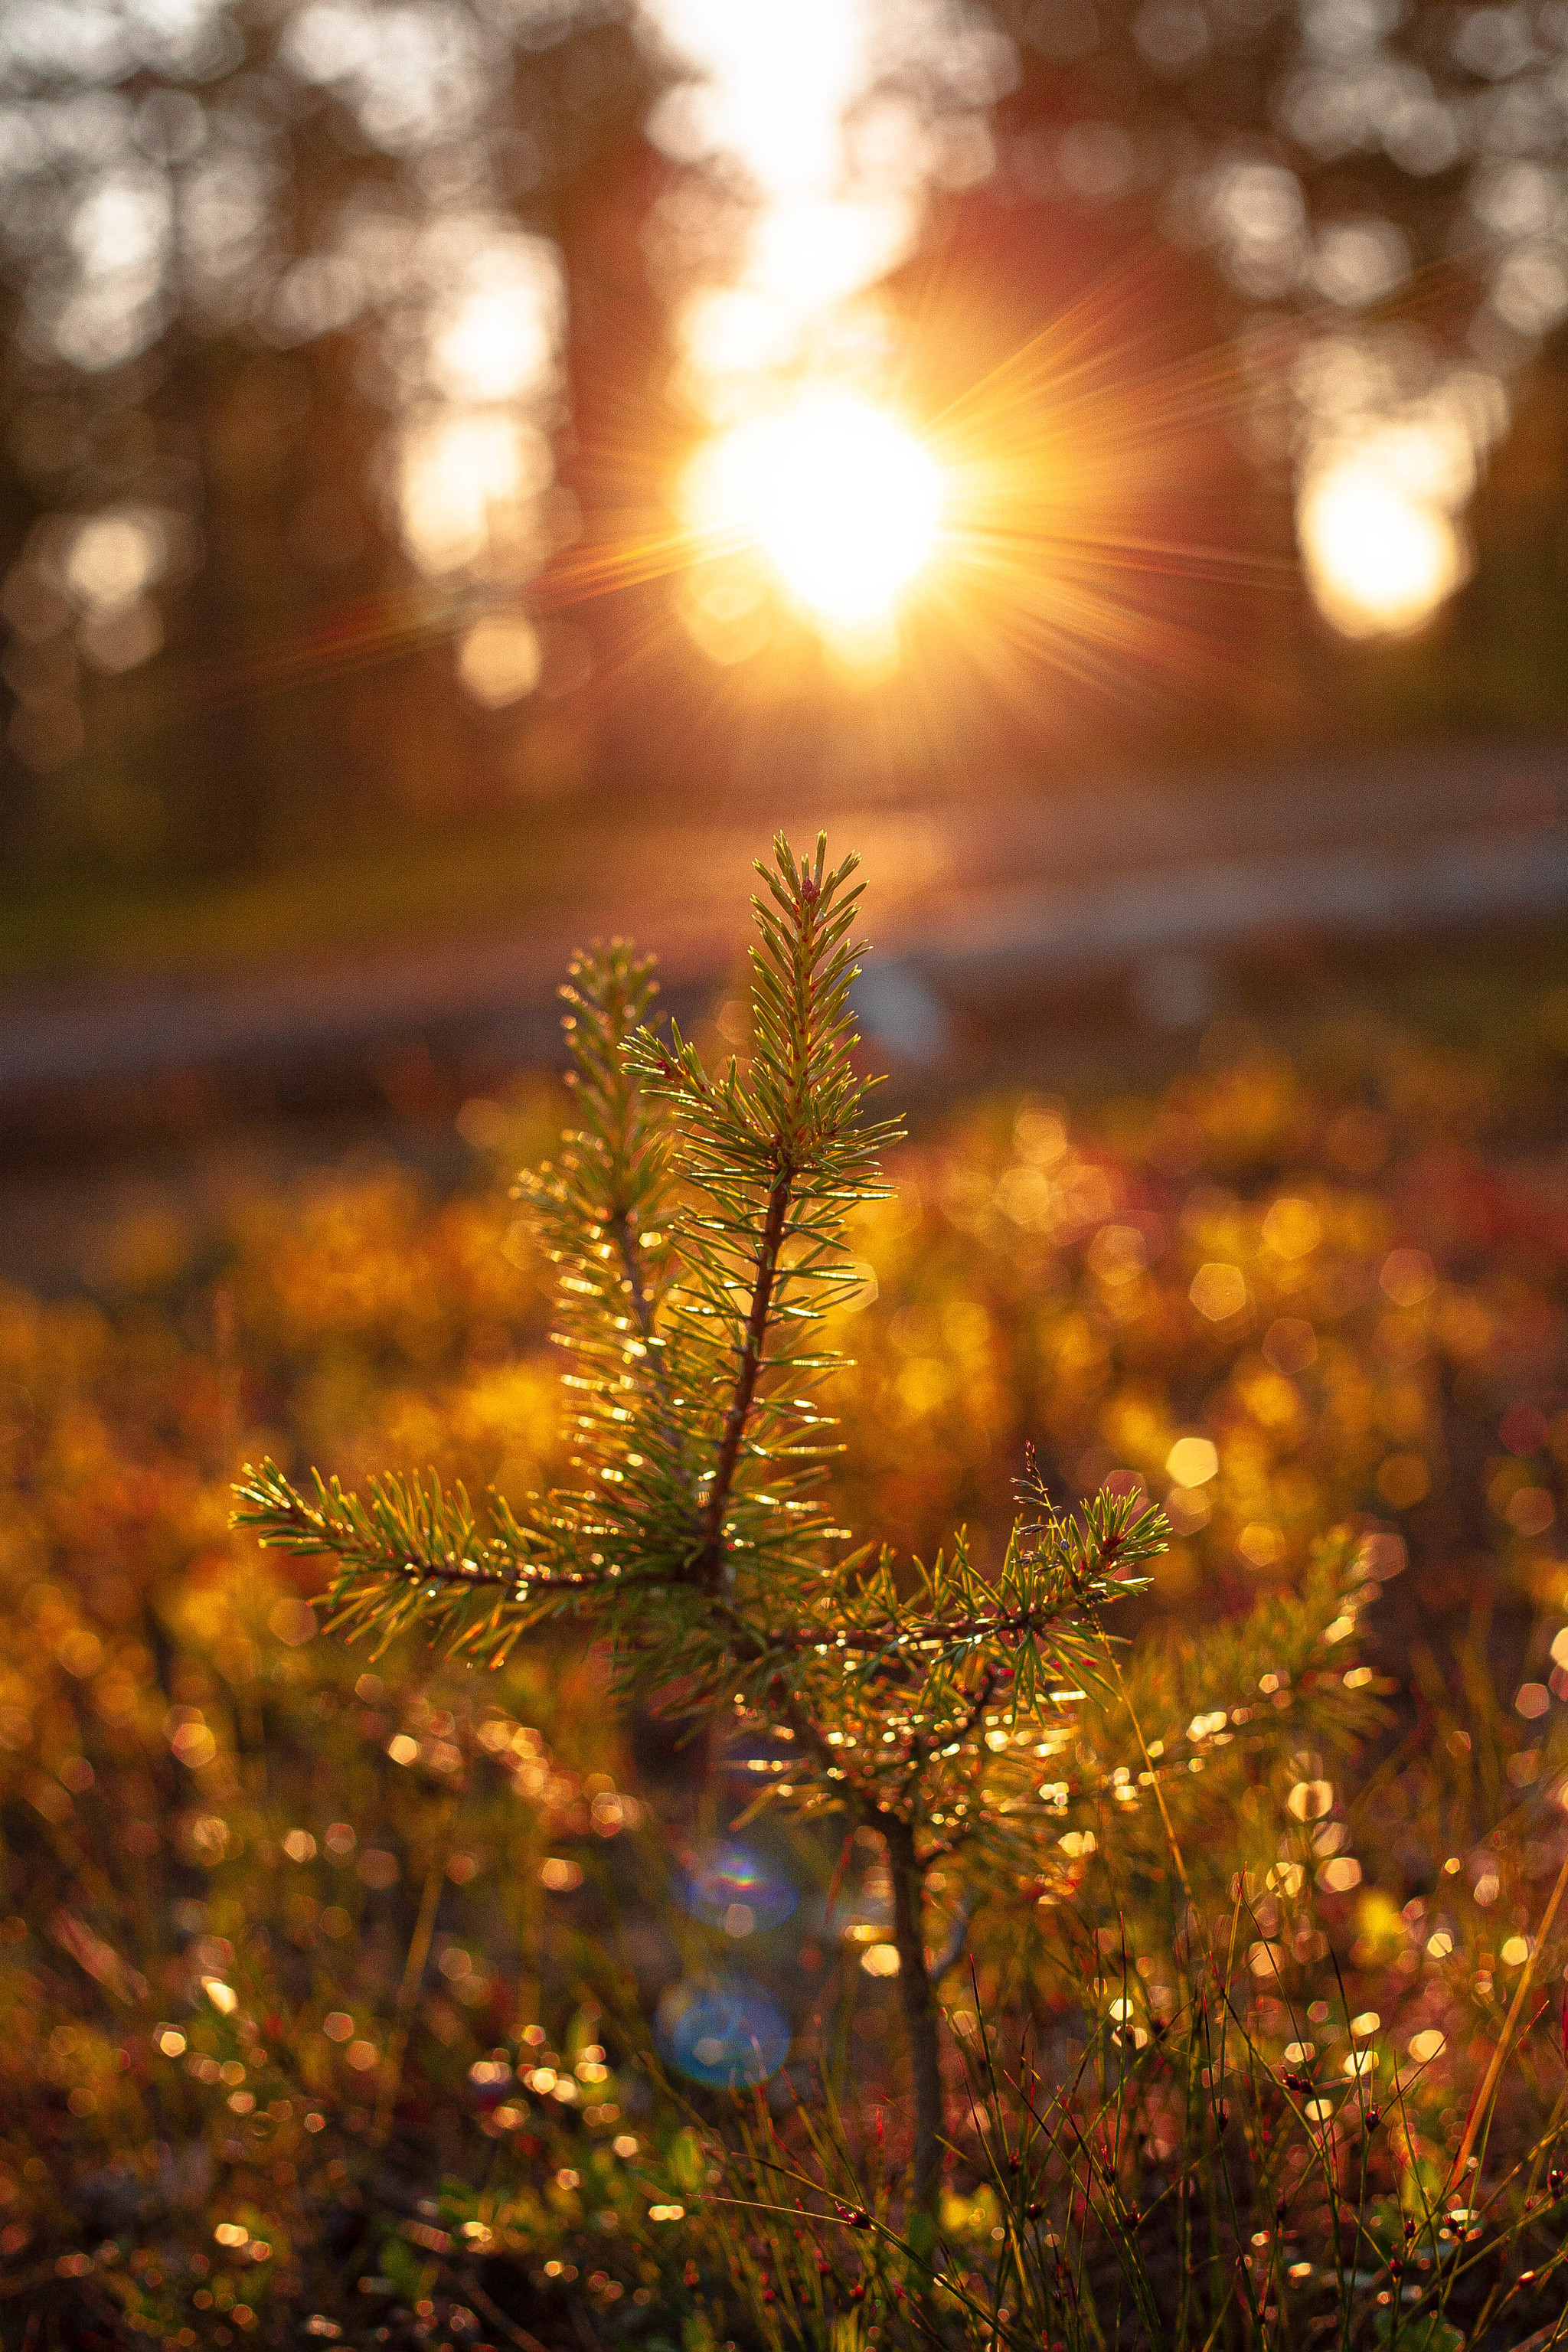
(356, 357)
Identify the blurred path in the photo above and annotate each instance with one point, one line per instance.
(975, 902)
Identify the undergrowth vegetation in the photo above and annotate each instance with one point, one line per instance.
(385, 2001)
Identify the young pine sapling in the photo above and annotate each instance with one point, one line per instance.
(697, 1224)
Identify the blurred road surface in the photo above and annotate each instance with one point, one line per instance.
(981, 900)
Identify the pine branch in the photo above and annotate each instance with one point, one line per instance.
(776, 1157)
(406, 1529)
(410, 1553)
(939, 1628)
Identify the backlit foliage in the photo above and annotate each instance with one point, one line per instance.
(244, 2064)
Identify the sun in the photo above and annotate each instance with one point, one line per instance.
(842, 501)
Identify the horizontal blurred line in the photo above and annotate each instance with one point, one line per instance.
(998, 896)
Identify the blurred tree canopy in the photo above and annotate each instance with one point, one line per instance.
(338, 339)
(252, 257)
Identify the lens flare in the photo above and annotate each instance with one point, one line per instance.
(734, 1888)
(837, 496)
(723, 2031)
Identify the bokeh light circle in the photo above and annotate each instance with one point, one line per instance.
(724, 2032)
(734, 1888)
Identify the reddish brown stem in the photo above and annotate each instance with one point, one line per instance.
(711, 1558)
(916, 1998)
